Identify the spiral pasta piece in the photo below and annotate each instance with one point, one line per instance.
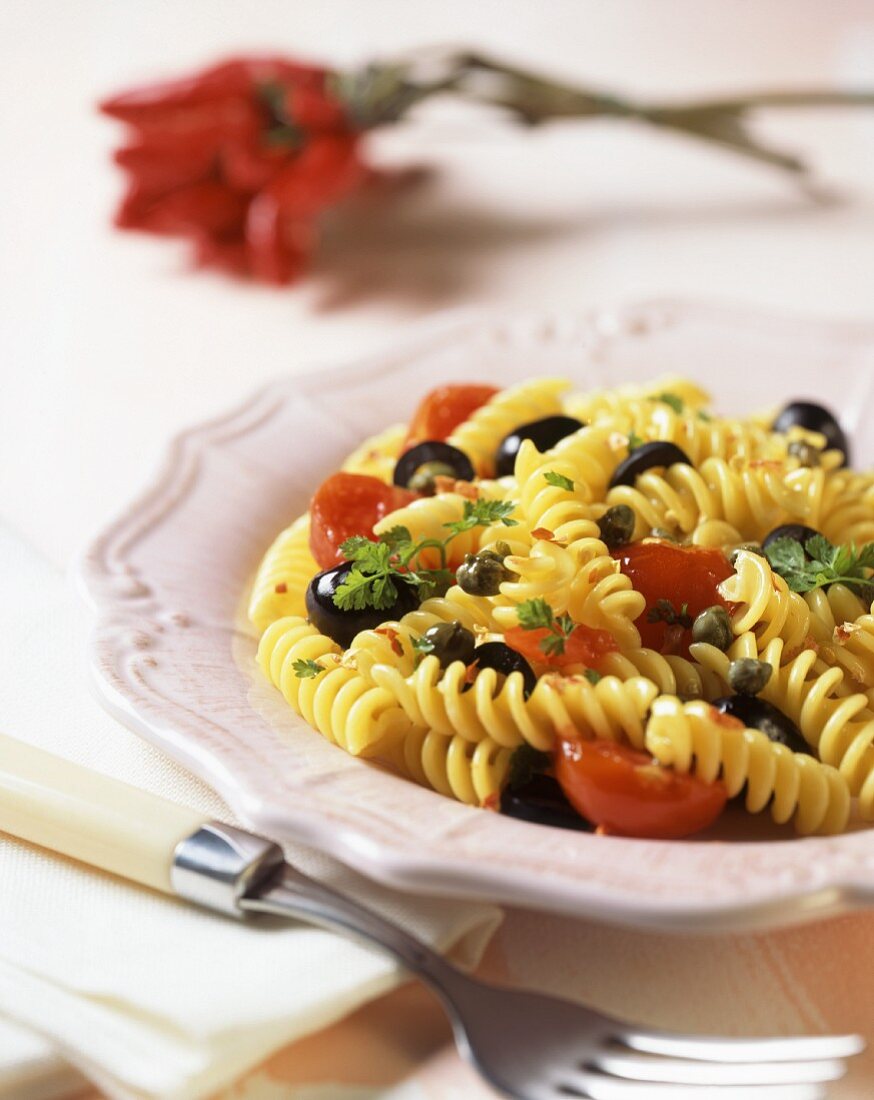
(672, 674)
(378, 455)
(480, 435)
(837, 724)
(765, 605)
(693, 737)
(471, 772)
(338, 702)
(428, 518)
(285, 571)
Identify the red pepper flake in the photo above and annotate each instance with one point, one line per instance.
(491, 802)
(543, 533)
(471, 671)
(765, 464)
(281, 588)
(393, 637)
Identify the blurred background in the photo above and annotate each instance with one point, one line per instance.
(109, 343)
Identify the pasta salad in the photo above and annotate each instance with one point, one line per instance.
(613, 610)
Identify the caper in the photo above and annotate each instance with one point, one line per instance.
(425, 478)
(747, 676)
(713, 626)
(748, 547)
(451, 642)
(617, 525)
(483, 574)
(806, 453)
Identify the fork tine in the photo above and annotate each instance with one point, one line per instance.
(594, 1086)
(645, 1067)
(706, 1048)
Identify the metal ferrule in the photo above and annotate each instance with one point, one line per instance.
(219, 865)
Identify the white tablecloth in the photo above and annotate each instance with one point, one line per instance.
(108, 345)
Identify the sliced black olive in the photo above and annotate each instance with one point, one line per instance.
(807, 414)
(543, 434)
(342, 625)
(542, 801)
(645, 457)
(759, 714)
(432, 450)
(502, 659)
(796, 531)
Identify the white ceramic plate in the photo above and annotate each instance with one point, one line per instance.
(174, 657)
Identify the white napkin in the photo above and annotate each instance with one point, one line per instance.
(147, 995)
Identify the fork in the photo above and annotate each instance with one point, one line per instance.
(526, 1045)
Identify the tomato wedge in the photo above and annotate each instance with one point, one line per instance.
(583, 646)
(629, 795)
(443, 409)
(347, 505)
(680, 574)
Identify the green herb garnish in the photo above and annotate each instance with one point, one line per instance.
(705, 416)
(559, 480)
(381, 564)
(663, 611)
(537, 615)
(823, 564)
(304, 669)
(482, 513)
(671, 399)
(592, 675)
(634, 441)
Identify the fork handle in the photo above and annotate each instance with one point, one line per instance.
(56, 804)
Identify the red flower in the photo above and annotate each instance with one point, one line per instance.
(241, 158)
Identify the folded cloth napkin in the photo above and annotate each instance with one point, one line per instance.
(146, 995)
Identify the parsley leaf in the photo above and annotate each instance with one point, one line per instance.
(634, 441)
(304, 669)
(534, 614)
(558, 480)
(360, 590)
(525, 763)
(663, 611)
(705, 416)
(671, 399)
(482, 513)
(592, 675)
(821, 565)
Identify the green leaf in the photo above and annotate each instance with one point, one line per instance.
(702, 415)
(483, 513)
(559, 480)
(592, 675)
(396, 538)
(525, 763)
(361, 590)
(785, 555)
(552, 644)
(304, 669)
(671, 399)
(534, 614)
(819, 549)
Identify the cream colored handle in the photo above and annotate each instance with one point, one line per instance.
(80, 813)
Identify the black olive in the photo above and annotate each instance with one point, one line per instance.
(807, 414)
(432, 450)
(643, 458)
(502, 659)
(796, 531)
(543, 434)
(542, 801)
(341, 625)
(759, 714)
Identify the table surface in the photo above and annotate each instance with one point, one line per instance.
(108, 344)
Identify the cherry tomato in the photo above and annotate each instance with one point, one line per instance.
(443, 409)
(681, 574)
(347, 505)
(583, 646)
(629, 795)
